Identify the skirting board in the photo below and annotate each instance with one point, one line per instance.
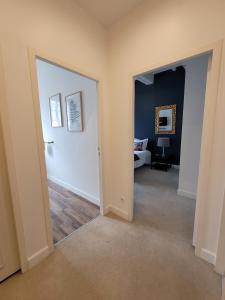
(80, 193)
(37, 257)
(209, 256)
(117, 211)
(223, 288)
(186, 194)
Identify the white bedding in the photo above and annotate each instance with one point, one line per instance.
(145, 158)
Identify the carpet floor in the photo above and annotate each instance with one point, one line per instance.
(110, 259)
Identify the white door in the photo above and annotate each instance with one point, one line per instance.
(9, 260)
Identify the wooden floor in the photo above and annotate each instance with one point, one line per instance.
(68, 211)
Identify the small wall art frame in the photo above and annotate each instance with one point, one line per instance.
(165, 119)
(56, 110)
(74, 111)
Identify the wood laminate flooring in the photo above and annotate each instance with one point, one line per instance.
(68, 211)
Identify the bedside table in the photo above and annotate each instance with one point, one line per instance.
(161, 163)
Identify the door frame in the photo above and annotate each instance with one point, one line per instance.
(220, 261)
(33, 56)
(211, 96)
(11, 169)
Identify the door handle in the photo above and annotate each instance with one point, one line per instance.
(51, 142)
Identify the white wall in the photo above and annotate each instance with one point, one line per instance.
(154, 33)
(72, 160)
(64, 31)
(194, 100)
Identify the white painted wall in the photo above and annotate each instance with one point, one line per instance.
(63, 31)
(194, 100)
(72, 160)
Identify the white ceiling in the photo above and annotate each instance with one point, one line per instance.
(107, 12)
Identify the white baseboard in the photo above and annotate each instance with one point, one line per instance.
(71, 188)
(208, 256)
(37, 257)
(107, 210)
(117, 211)
(223, 288)
(187, 194)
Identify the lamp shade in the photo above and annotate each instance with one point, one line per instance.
(163, 142)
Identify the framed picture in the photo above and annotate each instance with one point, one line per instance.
(55, 110)
(74, 112)
(165, 119)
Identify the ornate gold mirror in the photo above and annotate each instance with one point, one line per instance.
(165, 119)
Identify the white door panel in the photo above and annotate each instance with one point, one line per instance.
(9, 260)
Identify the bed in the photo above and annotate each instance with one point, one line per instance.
(142, 157)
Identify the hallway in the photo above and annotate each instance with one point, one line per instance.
(110, 259)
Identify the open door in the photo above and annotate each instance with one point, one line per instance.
(9, 258)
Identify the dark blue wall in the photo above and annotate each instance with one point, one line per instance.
(168, 89)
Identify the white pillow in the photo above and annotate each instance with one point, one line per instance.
(144, 141)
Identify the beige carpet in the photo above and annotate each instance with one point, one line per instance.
(150, 259)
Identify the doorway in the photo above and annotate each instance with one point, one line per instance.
(68, 107)
(204, 183)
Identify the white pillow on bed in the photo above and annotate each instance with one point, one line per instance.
(144, 141)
